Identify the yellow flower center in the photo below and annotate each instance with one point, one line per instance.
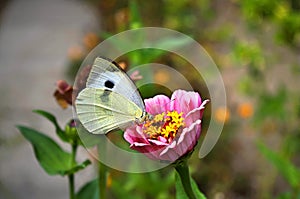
(164, 125)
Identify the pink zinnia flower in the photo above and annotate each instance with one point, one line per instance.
(174, 129)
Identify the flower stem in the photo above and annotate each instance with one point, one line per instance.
(71, 176)
(71, 186)
(102, 181)
(182, 169)
(102, 170)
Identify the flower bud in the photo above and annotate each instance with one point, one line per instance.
(71, 132)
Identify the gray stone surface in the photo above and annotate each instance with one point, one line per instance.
(34, 39)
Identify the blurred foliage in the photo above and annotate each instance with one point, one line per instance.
(146, 185)
(255, 43)
(89, 190)
(284, 13)
(275, 111)
(286, 168)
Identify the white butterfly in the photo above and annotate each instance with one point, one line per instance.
(110, 99)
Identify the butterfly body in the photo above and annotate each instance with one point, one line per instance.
(110, 99)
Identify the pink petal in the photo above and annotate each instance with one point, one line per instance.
(157, 104)
(159, 143)
(139, 142)
(185, 101)
(188, 138)
(184, 144)
(150, 150)
(169, 154)
(162, 139)
(195, 114)
(135, 135)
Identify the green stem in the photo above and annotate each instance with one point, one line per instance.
(71, 186)
(71, 176)
(102, 181)
(182, 169)
(295, 192)
(102, 169)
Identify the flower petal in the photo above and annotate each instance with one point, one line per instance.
(159, 143)
(186, 142)
(189, 137)
(150, 150)
(135, 135)
(169, 154)
(185, 101)
(195, 114)
(139, 142)
(157, 104)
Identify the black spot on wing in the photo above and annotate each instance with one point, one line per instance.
(105, 96)
(109, 84)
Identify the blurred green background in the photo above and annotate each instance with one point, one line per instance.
(255, 44)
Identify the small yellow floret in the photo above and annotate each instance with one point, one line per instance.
(159, 117)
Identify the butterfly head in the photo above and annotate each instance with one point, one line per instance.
(143, 117)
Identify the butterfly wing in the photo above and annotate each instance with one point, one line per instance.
(106, 74)
(101, 111)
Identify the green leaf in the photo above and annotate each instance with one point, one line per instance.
(283, 165)
(61, 134)
(180, 193)
(89, 190)
(49, 154)
(78, 167)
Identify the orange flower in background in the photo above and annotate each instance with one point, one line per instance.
(122, 17)
(162, 77)
(245, 110)
(222, 114)
(109, 180)
(75, 53)
(90, 40)
(123, 65)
